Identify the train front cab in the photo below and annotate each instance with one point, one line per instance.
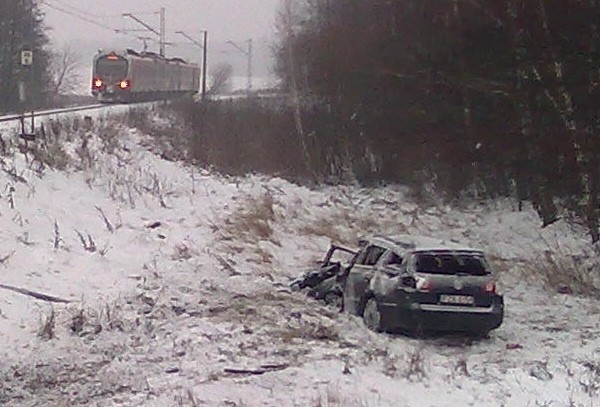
(110, 82)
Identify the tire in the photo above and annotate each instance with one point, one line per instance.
(480, 335)
(372, 316)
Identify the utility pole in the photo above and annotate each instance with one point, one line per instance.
(248, 53)
(204, 65)
(249, 67)
(204, 47)
(161, 33)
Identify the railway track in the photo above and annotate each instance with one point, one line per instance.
(25, 125)
(72, 109)
(51, 112)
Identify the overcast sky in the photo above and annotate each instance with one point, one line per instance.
(225, 20)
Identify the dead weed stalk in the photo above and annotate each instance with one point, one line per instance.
(252, 222)
(47, 329)
(566, 273)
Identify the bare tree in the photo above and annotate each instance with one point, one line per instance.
(64, 68)
(220, 79)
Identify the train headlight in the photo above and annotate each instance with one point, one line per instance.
(98, 83)
(124, 84)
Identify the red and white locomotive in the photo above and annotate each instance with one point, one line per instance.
(130, 76)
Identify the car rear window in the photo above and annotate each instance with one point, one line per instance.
(451, 264)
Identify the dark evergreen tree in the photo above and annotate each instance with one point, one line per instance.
(21, 28)
(495, 98)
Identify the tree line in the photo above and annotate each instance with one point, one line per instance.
(22, 28)
(487, 98)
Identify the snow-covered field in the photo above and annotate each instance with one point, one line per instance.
(177, 278)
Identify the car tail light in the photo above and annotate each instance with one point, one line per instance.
(490, 287)
(418, 283)
(423, 284)
(124, 84)
(97, 83)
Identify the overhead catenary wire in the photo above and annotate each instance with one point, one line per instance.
(87, 13)
(88, 20)
(84, 12)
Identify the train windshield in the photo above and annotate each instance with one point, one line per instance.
(111, 66)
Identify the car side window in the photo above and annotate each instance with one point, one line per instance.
(371, 255)
(393, 259)
(360, 257)
(392, 262)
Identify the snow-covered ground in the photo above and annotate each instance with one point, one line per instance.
(177, 278)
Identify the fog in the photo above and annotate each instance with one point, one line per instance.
(86, 26)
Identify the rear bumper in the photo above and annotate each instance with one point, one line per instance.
(432, 317)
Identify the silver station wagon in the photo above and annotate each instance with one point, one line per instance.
(418, 284)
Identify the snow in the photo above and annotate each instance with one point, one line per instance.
(163, 314)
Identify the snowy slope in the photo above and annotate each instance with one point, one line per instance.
(184, 300)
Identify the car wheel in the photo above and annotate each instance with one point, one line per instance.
(480, 334)
(372, 316)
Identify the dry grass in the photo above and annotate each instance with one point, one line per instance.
(329, 228)
(169, 137)
(182, 252)
(340, 227)
(252, 221)
(309, 331)
(332, 397)
(414, 365)
(558, 270)
(90, 321)
(187, 398)
(567, 274)
(47, 329)
(51, 154)
(590, 380)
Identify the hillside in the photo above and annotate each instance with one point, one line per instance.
(176, 281)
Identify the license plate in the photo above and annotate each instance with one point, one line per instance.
(457, 299)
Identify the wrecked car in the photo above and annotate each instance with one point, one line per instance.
(326, 281)
(418, 284)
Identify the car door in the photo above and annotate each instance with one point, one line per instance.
(359, 276)
(385, 278)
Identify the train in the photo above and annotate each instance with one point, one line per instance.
(130, 76)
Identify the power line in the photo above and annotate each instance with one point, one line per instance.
(161, 32)
(73, 14)
(83, 12)
(87, 13)
(87, 19)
